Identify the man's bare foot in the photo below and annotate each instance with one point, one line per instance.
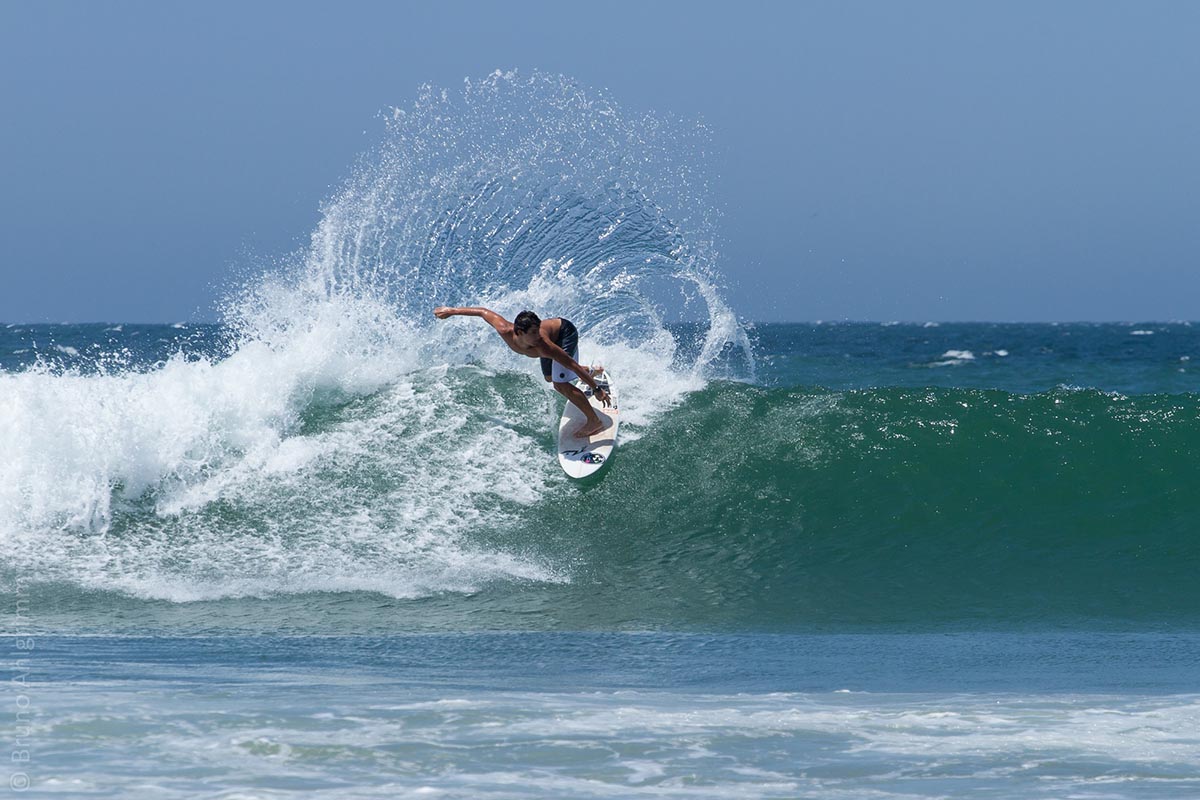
(589, 428)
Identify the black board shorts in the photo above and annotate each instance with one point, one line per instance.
(568, 340)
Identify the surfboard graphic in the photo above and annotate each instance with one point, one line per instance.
(580, 458)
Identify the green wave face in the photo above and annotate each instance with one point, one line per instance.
(788, 509)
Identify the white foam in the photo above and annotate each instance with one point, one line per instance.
(198, 433)
(487, 744)
(173, 452)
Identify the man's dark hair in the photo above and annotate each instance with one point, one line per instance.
(526, 321)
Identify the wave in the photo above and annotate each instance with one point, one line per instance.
(741, 507)
(785, 508)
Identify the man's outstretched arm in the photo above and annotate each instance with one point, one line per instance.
(491, 317)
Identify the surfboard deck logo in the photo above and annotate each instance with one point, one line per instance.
(585, 456)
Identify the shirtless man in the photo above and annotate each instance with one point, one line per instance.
(556, 343)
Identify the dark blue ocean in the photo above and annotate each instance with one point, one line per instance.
(323, 547)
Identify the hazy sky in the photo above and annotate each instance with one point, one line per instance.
(908, 161)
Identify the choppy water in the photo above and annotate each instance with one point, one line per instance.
(324, 546)
(618, 715)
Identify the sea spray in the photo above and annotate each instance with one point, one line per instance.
(341, 439)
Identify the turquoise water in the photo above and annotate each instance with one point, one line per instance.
(323, 547)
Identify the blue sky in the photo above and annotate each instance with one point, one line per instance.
(909, 161)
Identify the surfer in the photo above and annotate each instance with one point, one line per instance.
(556, 342)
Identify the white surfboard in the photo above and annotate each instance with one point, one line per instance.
(583, 457)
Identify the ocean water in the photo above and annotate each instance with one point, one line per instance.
(323, 547)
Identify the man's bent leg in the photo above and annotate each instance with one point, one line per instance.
(594, 424)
